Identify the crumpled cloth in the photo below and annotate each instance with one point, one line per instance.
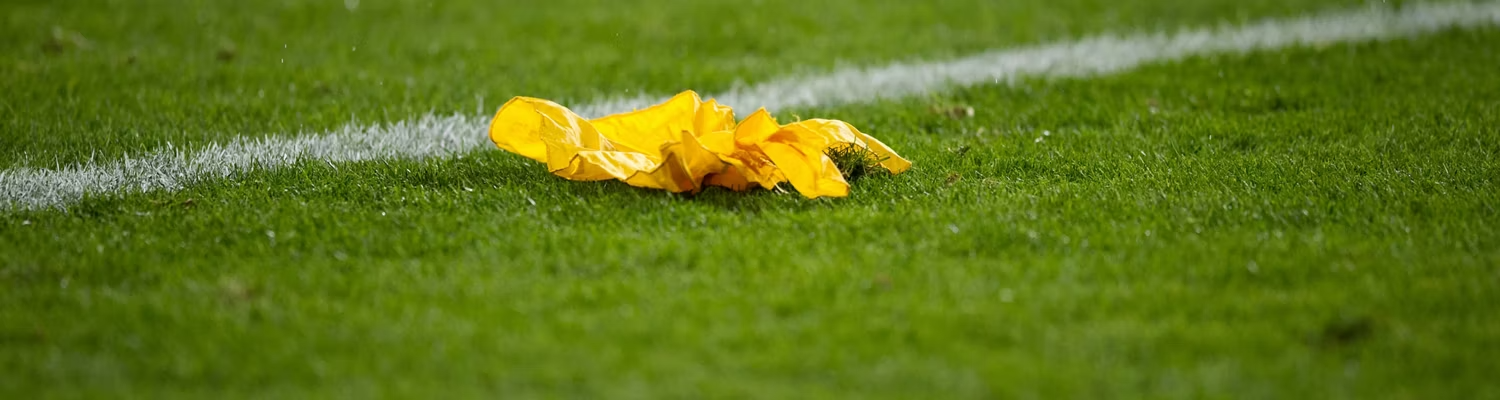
(683, 145)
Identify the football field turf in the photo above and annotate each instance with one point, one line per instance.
(1305, 221)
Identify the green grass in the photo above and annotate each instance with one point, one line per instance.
(188, 71)
(1316, 223)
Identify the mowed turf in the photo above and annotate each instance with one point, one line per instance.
(1304, 223)
(97, 79)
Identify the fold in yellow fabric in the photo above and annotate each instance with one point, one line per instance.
(683, 145)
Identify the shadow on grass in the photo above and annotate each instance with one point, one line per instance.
(508, 172)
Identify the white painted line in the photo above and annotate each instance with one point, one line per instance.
(1108, 54)
(436, 136)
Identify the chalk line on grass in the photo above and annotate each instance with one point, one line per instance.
(436, 136)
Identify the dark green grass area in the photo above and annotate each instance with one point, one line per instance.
(96, 79)
(1313, 223)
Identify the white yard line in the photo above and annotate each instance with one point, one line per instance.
(436, 136)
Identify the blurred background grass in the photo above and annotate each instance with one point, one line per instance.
(100, 78)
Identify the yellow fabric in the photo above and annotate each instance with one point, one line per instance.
(682, 145)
